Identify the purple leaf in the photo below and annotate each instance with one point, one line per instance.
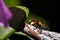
(5, 14)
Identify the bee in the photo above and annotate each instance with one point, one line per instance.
(38, 24)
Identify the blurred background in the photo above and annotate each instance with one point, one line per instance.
(46, 10)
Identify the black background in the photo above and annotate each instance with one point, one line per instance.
(49, 9)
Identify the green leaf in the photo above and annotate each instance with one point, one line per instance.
(21, 33)
(24, 9)
(11, 3)
(6, 32)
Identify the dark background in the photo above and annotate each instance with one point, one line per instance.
(49, 9)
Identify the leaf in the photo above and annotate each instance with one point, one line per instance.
(11, 3)
(24, 9)
(6, 32)
(21, 33)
